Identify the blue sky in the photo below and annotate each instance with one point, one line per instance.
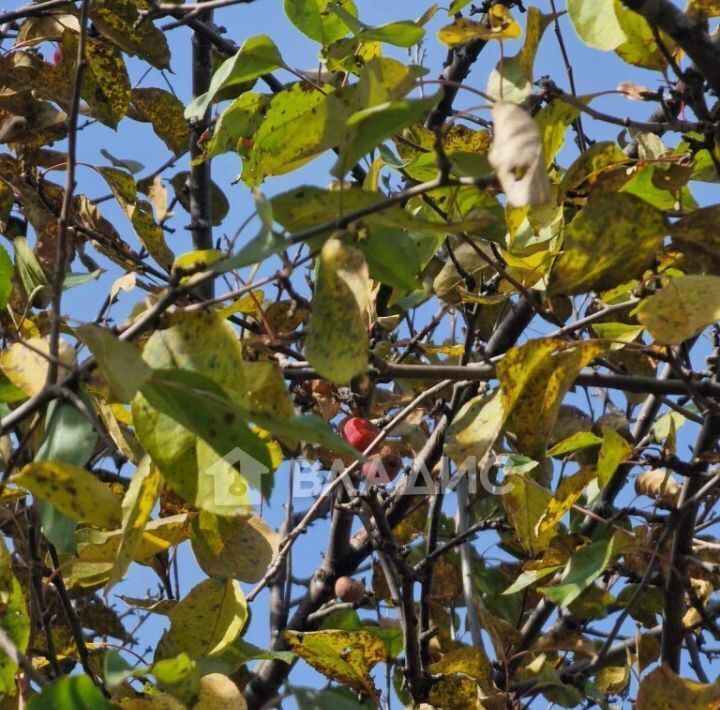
(594, 71)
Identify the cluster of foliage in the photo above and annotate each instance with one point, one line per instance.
(574, 287)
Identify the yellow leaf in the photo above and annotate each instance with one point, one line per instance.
(26, 367)
(663, 689)
(137, 507)
(534, 378)
(684, 308)
(566, 495)
(208, 619)
(249, 305)
(337, 342)
(472, 662)
(241, 548)
(611, 240)
(475, 428)
(500, 25)
(74, 491)
(344, 656)
(613, 452)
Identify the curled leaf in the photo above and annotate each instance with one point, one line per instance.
(517, 156)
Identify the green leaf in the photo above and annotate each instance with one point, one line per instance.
(119, 361)
(371, 126)
(31, 273)
(584, 567)
(116, 670)
(257, 56)
(74, 491)
(69, 437)
(207, 620)
(6, 277)
(72, 692)
(640, 47)
(187, 425)
(237, 124)
(682, 309)
(613, 239)
(403, 33)
(596, 23)
(219, 204)
(344, 656)
(278, 147)
(316, 19)
(337, 343)
(14, 620)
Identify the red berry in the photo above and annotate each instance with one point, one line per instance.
(57, 57)
(359, 432)
(383, 467)
(349, 590)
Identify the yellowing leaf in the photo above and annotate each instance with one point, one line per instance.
(512, 78)
(241, 548)
(337, 342)
(612, 240)
(517, 156)
(27, 369)
(97, 550)
(120, 21)
(704, 8)
(207, 620)
(472, 662)
(663, 689)
(567, 494)
(165, 112)
(500, 25)
(596, 23)
(14, 620)
(74, 491)
(682, 309)
(613, 452)
(344, 656)
(534, 378)
(475, 428)
(137, 507)
(525, 504)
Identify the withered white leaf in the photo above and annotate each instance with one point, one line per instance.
(517, 156)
